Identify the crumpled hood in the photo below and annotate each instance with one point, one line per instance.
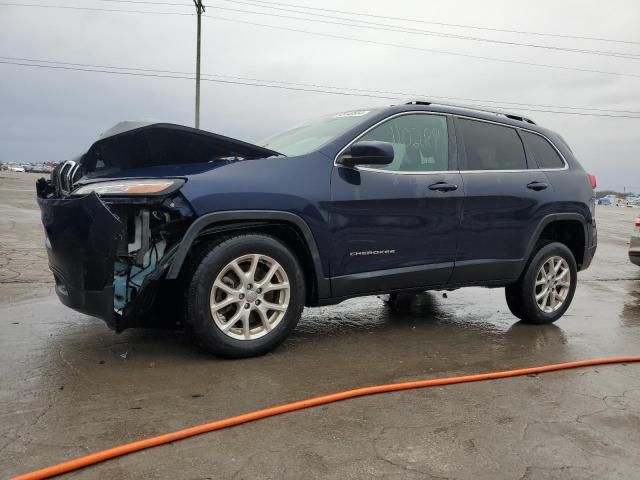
(130, 145)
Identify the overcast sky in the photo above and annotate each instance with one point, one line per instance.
(48, 114)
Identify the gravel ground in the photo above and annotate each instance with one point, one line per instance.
(23, 260)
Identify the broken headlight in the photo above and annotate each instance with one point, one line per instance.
(136, 187)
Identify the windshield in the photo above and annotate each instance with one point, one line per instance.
(311, 136)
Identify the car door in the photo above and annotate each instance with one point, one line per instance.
(504, 197)
(396, 226)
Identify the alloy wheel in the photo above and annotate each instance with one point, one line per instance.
(553, 283)
(250, 297)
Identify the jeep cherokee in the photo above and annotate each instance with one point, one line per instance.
(160, 223)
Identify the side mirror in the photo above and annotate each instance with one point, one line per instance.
(367, 153)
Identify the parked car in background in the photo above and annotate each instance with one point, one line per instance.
(604, 201)
(241, 237)
(39, 169)
(14, 168)
(634, 248)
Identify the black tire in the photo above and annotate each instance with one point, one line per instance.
(198, 312)
(520, 296)
(514, 299)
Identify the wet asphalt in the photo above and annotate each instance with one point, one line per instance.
(69, 386)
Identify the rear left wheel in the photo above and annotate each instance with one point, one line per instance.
(546, 289)
(245, 296)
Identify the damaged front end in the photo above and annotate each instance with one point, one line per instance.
(109, 253)
(115, 217)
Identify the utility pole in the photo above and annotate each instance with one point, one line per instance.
(199, 10)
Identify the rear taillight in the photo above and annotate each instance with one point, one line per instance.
(593, 181)
(638, 222)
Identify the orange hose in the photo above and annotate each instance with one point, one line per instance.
(127, 448)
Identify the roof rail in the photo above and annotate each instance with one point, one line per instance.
(418, 102)
(520, 118)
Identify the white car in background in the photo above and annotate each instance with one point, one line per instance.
(16, 169)
(634, 248)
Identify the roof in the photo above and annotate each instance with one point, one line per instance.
(512, 116)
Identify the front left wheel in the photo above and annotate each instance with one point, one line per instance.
(245, 297)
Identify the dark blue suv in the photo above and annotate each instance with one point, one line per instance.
(162, 224)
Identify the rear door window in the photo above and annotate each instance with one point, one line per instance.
(544, 154)
(491, 147)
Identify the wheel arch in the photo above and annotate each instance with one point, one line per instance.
(286, 226)
(562, 227)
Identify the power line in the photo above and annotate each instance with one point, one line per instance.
(143, 2)
(431, 50)
(92, 9)
(343, 37)
(183, 77)
(283, 87)
(395, 94)
(360, 24)
(396, 28)
(269, 4)
(456, 25)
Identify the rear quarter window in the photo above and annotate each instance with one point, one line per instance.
(544, 154)
(491, 147)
